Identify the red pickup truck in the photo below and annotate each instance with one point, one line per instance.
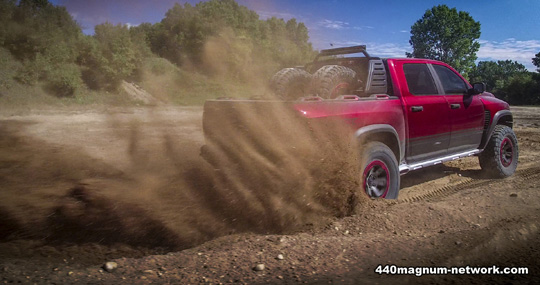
(405, 113)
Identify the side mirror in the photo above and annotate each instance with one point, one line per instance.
(478, 88)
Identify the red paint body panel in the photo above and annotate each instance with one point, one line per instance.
(358, 113)
(492, 104)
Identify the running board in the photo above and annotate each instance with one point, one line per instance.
(405, 168)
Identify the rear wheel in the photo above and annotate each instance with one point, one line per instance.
(380, 173)
(500, 157)
(331, 81)
(290, 83)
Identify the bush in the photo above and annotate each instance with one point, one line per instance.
(160, 66)
(109, 57)
(8, 68)
(522, 89)
(64, 81)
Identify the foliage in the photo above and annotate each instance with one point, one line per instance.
(8, 69)
(65, 80)
(236, 36)
(536, 61)
(522, 89)
(43, 38)
(496, 74)
(447, 35)
(109, 56)
(508, 80)
(7, 8)
(44, 46)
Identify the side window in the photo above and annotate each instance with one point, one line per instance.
(419, 79)
(451, 82)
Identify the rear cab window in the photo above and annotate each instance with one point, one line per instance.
(419, 79)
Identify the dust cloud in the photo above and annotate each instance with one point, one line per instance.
(237, 59)
(263, 169)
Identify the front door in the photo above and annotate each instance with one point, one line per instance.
(466, 111)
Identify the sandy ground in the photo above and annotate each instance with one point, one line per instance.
(79, 188)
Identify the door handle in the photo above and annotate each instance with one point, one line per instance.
(455, 106)
(417, 108)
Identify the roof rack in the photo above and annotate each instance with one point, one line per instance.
(343, 50)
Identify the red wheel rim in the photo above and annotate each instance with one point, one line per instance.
(506, 152)
(339, 89)
(376, 179)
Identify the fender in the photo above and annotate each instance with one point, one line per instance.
(367, 132)
(506, 118)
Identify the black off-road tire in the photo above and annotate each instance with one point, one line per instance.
(379, 171)
(290, 83)
(500, 157)
(331, 81)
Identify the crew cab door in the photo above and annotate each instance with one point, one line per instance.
(466, 111)
(427, 113)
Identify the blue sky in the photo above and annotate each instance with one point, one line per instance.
(510, 28)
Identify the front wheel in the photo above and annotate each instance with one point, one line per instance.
(380, 172)
(500, 157)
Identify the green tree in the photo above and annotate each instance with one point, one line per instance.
(37, 26)
(141, 36)
(522, 89)
(229, 35)
(109, 56)
(496, 74)
(43, 37)
(536, 61)
(7, 9)
(229, 13)
(181, 34)
(447, 35)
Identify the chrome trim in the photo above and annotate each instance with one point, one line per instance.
(405, 168)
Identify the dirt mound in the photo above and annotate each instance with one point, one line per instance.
(137, 93)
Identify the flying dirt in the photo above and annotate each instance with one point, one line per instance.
(82, 187)
(141, 182)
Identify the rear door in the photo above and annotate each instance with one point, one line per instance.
(427, 113)
(466, 111)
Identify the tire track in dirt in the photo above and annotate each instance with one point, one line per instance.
(468, 183)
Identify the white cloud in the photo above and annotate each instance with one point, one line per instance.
(363, 27)
(389, 50)
(512, 49)
(268, 14)
(336, 25)
(340, 25)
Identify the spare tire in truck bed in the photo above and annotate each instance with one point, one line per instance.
(290, 83)
(331, 81)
